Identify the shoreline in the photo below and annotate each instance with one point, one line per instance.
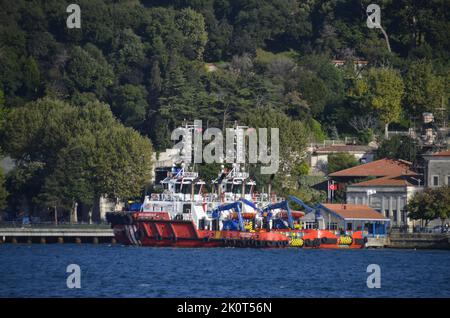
(99, 235)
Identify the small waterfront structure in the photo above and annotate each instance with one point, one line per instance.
(348, 218)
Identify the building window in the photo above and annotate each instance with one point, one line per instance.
(394, 212)
(332, 226)
(404, 214)
(435, 181)
(386, 213)
(448, 180)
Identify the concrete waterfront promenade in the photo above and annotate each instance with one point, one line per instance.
(57, 234)
(420, 240)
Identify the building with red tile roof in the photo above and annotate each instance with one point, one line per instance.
(445, 153)
(354, 211)
(318, 155)
(379, 168)
(397, 181)
(393, 184)
(388, 195)
(348, 217)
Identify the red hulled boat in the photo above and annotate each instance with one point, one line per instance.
(234, 215)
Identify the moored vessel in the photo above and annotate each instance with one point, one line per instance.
(233, 215)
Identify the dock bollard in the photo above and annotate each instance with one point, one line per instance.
(60, 240)
(77, 240)
(95, 240)
(14, 240)
(43, 240)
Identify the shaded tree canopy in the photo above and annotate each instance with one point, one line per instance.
(430, 204)
(341, 161)
(68, 153)
(398, 147)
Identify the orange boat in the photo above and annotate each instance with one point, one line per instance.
(324, 239)
(157, 229)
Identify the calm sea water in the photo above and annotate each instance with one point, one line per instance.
(119, 271)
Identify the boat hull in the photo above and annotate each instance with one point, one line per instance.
(179, 233)
(157, 231)
(324, 239)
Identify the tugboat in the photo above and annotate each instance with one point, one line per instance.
(184, 215)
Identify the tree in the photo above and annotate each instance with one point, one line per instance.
(3, 192)
(155, 81)
(385, 90)
(192, 26)
(424, 91)
(128, 56)
(441, 203)
(88, 71)
(67, 153)
(31, 76)
(292, 146)
(85, 169)
(430, 204)
(314, 91)
(2, 114)
(398, 147)
(419, 207)
(340, 161)
(129, 103)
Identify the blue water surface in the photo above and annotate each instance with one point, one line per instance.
(120, 271)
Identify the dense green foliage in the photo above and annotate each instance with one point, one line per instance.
(67, 154)
(398, 147)
(260, 62)
(146, 59)
(430, 204)
(341, 161)
(3, 192)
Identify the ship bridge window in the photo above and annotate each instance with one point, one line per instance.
(185, 189)
(197, 188)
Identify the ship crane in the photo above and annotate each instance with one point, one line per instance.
(285, 206)
(303, 204)
(236, 206)
(251, 204)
